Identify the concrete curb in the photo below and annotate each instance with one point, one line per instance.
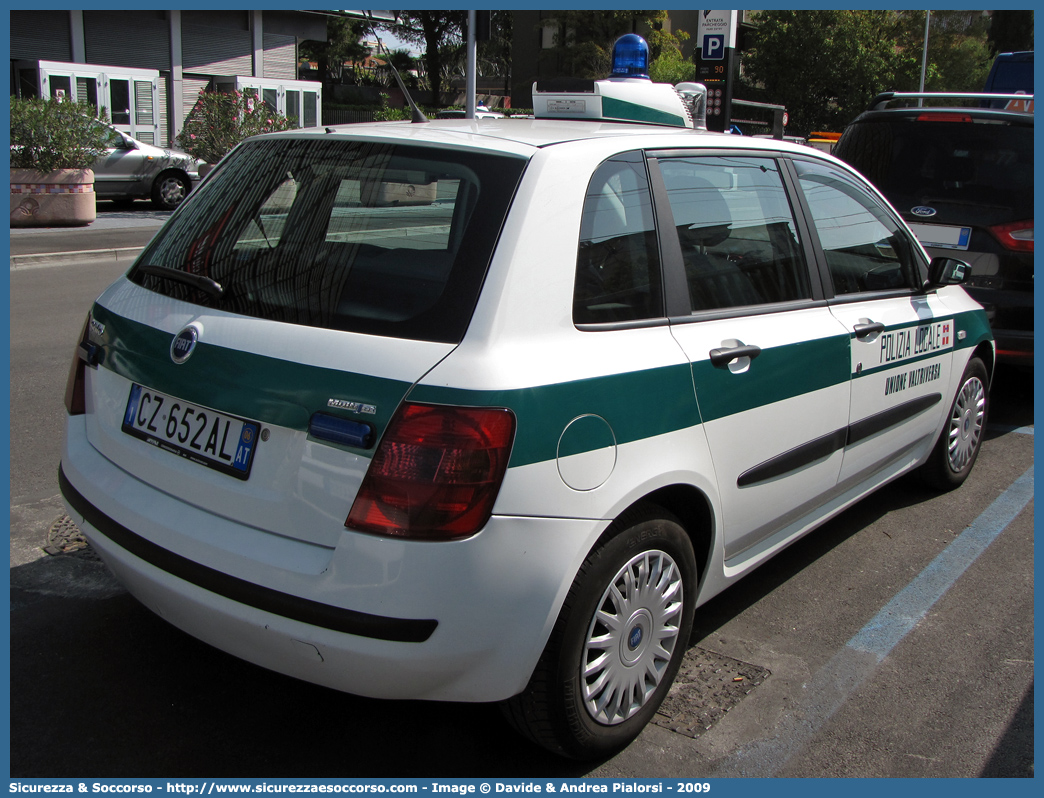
(45, 259)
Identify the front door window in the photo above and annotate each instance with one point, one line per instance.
(902, 338)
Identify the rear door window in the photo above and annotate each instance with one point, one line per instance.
(901, 338)
(618, 262)
(366, 237)
(737, 233)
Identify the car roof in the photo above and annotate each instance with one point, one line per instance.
(911, 113)
(1018, 55)
(947, 102)
(523, 137)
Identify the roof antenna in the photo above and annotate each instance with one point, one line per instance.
(417, 114)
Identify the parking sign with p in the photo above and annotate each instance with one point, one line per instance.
(713, 47)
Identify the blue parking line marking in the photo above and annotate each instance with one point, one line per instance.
(855, 663)
(911, 604)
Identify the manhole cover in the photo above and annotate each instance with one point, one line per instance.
(708, 685)
(64, 537)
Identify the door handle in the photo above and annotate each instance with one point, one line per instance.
(868, 328)
(724, 356)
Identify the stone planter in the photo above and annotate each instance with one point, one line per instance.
(52, 199)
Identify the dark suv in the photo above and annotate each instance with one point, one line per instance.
(1011, 72)
(962, 178)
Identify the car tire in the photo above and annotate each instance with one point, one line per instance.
(958, 446)
(618, 642)
(169, 190)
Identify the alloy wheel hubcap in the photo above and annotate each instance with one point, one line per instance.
(966, 424)
(631, 637)
(172, 191)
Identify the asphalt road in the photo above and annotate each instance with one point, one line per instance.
(790, 673)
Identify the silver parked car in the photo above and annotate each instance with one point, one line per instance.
(132, 169)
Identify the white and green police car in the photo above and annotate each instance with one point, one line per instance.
(483, 410)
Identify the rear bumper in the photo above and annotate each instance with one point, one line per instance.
(462, 621)
(324, 616)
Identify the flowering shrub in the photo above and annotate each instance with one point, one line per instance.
(51, 134)
(220, 120)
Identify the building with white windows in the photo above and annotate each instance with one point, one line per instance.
(146, 68)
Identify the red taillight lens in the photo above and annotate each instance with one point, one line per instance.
(436, 473)
(76, 385)
(1016, 236)
(943, 116)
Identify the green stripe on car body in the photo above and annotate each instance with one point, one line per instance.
(776, 374)
(636, 405)
(973, 327)
(643, 404)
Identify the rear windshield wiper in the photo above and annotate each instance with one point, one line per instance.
(205, 284)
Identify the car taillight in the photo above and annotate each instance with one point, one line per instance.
(1016, 236)
(76, 385)
(436, 472)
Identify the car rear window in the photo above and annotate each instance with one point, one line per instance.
(350, 235)
(980, 162)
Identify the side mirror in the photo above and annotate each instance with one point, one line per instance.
(947, 271)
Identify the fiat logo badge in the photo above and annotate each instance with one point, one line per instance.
(184, 344)
(923, 211)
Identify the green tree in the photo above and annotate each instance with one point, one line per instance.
(342, 46)
(220, 120)
(668, 65)
(958, 51)
(494, 56)
(823, 65)
(584, 40)
(584, 43)
(435, 31)
(404, 62)
(48, 134)
(671, 67)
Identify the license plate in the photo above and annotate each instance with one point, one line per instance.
(204, 436)
(939, 235)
